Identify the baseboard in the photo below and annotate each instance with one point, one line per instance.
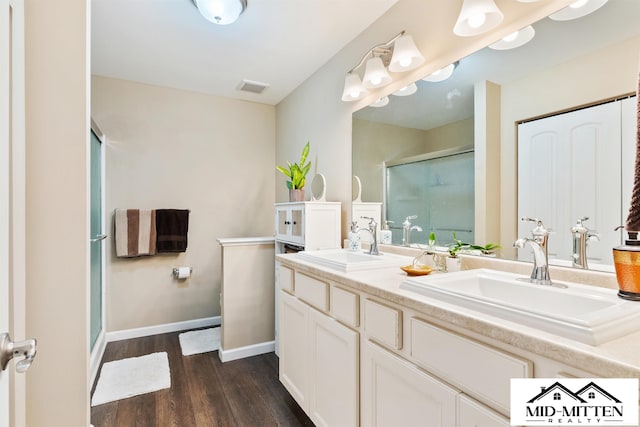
(247, 351)
(162, 329)
(96, 356)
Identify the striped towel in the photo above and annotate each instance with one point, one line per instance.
(135, 232)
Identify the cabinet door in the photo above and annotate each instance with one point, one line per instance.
(473, 414)
(293, 348)
(397, 393)
(333, 393)
(297, 223)
(282, 222)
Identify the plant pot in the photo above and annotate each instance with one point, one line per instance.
(453, 264)
(296, 195)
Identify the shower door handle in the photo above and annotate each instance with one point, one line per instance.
(99, 237)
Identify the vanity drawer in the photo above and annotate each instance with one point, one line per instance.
(483, 371)
(383, 324)
(285, 278)
(345, 306)
(312, 291)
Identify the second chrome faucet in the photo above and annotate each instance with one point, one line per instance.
(538, 242)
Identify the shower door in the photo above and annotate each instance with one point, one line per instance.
(437, 188)
(97, 238)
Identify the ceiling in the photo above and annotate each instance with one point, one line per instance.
(555, 42)
(278, 42)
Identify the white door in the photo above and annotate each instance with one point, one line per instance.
(12, 202)
(569, 168)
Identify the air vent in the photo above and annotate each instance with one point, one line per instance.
(252, 86)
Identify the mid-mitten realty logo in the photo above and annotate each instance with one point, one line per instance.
(574, 401)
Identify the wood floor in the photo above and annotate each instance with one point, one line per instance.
(204, 392)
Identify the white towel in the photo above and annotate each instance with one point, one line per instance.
(135, 232)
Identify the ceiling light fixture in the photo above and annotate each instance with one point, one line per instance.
(397, 55)
(381, 102)
(409, 89)
(577, 9)
(477, 17)
(221, 12)
(515, 39)
(442, 74)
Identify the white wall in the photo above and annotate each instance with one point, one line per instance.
(167, 148)
(315, 112)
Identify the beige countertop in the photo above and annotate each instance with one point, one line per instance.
(616, 358)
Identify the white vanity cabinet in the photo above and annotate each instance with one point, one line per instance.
(473, 414)
(352, 358)
(319, 357)
(312, 225)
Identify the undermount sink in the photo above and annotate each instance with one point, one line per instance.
(347, 261)
(587, 314)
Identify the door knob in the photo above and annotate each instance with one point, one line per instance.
(10, 349)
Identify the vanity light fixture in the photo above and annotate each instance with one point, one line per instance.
(221, 12)
(577, 9)
(477, 17)
(515, 39)
(397, 55)
(407, 90)
(442, 74)
(381, 102)
(353, 88)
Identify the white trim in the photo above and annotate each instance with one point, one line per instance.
(162, 329)
(245, 241)
(247, 351)
(96, 356)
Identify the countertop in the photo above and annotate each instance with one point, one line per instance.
(617, 358)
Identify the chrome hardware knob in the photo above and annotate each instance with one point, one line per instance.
(10, 350)
(99, 237)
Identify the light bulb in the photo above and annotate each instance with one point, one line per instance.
(354, 93)
(578, 4)
(405, 62)
(476, 21)
(376, 80)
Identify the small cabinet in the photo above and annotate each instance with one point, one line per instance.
(397, 393)
(312, 225)
(319, 360)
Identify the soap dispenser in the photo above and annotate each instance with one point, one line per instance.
(354, 237)
(385, 233)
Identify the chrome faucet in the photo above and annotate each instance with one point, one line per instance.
(372, 230)
(538, 242)
(581, 236)
(407, 228)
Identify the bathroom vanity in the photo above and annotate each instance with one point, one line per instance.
(357, 349)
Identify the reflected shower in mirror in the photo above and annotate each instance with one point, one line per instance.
(567, 65)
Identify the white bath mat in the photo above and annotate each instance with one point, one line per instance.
(201, 341)
(132, 377)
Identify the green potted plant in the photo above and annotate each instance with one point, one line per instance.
(297, 174)
(453, 263)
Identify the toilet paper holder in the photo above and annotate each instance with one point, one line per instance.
(176, 271)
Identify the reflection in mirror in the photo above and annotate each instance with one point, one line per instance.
(356, 189)
(319, 188)
(566, 66)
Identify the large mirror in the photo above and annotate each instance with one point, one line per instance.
(567, 65)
